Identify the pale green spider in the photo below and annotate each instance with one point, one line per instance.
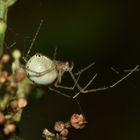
(43, 71)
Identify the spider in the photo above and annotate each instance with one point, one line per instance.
(43, 71)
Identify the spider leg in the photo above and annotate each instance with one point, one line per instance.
(83, 90)
(56, 84)
(79, 74)
(128, 82)
(59, 92)
(54, 54)
(25, 59)
(38, 74)
(84, 69)
(123, 78)
(35, 36)
(128, 70)
(9, 47)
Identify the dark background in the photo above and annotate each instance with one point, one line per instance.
(106, 32)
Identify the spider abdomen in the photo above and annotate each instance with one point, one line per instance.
(41, 70)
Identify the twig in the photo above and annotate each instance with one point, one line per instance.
(4, 5)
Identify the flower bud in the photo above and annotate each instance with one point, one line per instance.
(16, 54)
(9, 128)
(48, 134)
(3, 76)
(14, 104)
(2, 118)
(64, 132)
(78, 121)
(22, 102)
(5, 58)
(59, 126)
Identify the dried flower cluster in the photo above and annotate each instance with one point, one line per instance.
(14, 87)
(77, 121)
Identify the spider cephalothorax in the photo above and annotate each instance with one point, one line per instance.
(63, 66)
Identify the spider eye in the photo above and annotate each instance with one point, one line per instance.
(38, 55)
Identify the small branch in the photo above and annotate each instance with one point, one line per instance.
(4, 5)
(5, 101)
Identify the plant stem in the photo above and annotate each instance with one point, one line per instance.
(4, 101)
(4, 5)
